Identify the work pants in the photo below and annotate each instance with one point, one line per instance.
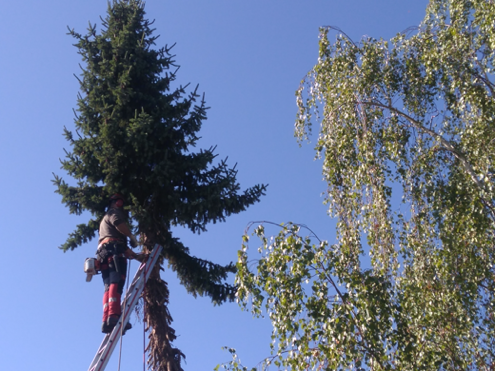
(114, 280)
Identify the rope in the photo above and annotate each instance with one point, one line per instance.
(125, 300)
(144, 330)
(146, 268)
(144, 313)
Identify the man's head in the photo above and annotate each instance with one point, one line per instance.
(116, 200)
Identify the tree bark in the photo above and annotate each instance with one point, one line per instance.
(162, 356)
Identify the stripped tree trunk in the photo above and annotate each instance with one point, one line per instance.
(162, 356)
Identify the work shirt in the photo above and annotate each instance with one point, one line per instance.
(112, 218)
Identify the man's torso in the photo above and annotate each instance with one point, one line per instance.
(108, 229)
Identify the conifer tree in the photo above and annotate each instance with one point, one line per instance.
(134, 134)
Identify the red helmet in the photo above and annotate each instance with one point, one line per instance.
(118, 198)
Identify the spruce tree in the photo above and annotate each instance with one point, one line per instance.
(134, 134)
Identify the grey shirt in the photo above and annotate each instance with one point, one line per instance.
(112, 218)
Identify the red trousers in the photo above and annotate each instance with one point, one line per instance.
(111, 302)
(114, 285)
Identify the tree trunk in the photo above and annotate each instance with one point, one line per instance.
(162, 356)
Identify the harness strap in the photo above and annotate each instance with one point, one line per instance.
(108, 251)
(109, 239)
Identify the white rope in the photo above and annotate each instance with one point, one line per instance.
(144, 329)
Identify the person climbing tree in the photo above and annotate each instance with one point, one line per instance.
(134, 134)
(112, 255)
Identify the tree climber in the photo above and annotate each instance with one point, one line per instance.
(112, 255)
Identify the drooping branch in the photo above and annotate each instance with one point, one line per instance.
(445, 144)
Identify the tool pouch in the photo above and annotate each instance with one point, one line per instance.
(109, 249)
(112, 254)
(102, 254)
(120, 263)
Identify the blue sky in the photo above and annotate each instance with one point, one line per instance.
(248, 57)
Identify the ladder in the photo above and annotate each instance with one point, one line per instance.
(131, 299)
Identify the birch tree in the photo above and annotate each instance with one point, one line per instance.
(406, 135)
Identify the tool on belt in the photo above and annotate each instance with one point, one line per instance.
(110, 252)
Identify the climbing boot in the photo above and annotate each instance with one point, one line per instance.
(128, 326)
(105, 328)
(113, 320)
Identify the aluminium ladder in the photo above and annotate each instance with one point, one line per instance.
(130, 300)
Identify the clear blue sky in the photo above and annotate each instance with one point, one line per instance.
(248, 57)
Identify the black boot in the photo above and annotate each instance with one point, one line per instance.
(105, 328)
(128, 326)
(113, 320)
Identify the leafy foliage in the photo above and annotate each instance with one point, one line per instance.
(407, 133)
(134, 135)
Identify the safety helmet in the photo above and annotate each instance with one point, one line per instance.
(118, 198)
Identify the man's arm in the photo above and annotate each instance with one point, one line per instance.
(128, 253)
(124, 229)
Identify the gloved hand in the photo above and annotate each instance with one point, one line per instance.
(134, 241)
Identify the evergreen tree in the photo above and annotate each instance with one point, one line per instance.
(134, 135)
